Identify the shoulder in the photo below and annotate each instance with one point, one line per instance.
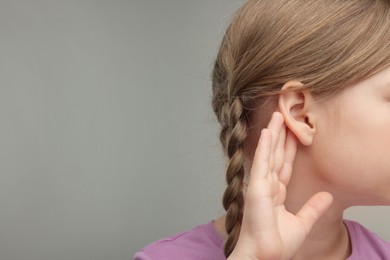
(366, 244)
(201, 242)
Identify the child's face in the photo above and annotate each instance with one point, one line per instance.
(352, 145)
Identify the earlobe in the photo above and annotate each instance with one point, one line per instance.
(296, 106)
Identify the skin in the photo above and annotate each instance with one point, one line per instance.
(314, 160)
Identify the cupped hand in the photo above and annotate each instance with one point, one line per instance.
(268, 230)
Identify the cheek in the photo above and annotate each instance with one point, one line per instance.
(352, 154)
(338, 162)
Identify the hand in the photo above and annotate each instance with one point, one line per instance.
(268, 230)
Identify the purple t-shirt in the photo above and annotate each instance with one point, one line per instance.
(204, 243)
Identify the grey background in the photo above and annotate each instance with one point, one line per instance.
(108, 140)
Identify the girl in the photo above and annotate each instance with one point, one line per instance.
(302, 92)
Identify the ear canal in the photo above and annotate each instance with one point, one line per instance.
(307, 121)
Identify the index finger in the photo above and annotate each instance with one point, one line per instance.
(260, 165)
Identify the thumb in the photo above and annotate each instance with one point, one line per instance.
(314, 208)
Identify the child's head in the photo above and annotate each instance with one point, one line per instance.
(316, 50)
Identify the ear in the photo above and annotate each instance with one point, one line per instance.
(296, 106)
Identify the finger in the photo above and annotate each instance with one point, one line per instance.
(260, 165)
(275, 125)
(279, 150)
(314, 208)
(289, 157)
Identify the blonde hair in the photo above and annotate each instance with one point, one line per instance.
(328, 45)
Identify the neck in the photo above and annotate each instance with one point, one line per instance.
(329, 237)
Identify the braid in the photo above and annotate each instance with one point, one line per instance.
(232, 137)
(228, 105)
